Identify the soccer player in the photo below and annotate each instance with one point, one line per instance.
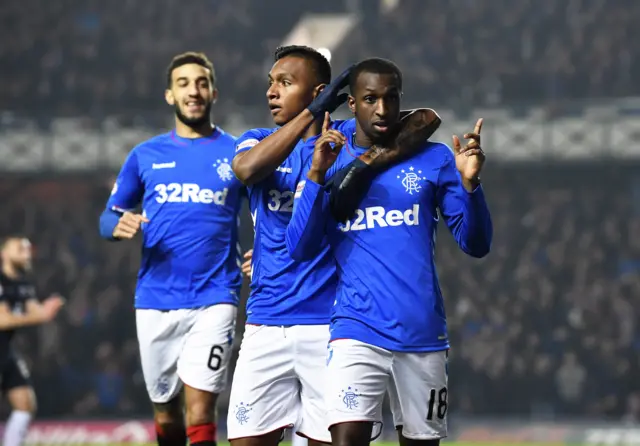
(19, 307)
(388, 328)
(279, 377)
(189, 280)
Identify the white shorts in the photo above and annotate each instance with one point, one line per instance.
(190, 346)
(279, 382)
(360, 374)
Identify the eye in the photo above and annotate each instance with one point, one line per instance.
(286, 83)
(369, 99)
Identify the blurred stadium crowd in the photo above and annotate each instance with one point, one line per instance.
(108, 57)
(546, 325)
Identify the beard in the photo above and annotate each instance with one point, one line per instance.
(22, 268)
(194, 122)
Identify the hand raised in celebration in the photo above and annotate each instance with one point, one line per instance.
(469, 158)
(326, 151)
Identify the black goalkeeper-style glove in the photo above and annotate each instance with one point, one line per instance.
(347, 188)
(329, 100)
(350, 184)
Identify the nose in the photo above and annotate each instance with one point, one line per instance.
(382, 108)
(192, 90)
(272, 92)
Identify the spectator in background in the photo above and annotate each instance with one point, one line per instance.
(570, 379)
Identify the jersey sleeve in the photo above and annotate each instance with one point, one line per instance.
(249, 139)
(126, 195)
(466, 214)
(305, 235)
(128, 188)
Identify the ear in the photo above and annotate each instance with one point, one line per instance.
(318, 90)
(168, 96)
(214, 95)
(351, 102)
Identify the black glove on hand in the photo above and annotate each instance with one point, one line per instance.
(329, 99)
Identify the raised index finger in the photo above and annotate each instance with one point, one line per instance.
(326, 123)
(478, 126)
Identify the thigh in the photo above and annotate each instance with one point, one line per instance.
(15, 373)
(160, 338)
(419, 394)
(311, 349)
(208, 343)
(264, 390)
(357, 379)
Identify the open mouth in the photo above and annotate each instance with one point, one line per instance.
(381, 126)
(195, 106)
(275, 109)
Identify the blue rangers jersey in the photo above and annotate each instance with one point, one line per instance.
(192, 198)
(388, 293)
(285, 291)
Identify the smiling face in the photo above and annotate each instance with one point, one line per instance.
(293, 85)
(192, 94)
(375, 102)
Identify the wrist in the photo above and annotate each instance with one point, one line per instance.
(372, 157)
(316, 175)
(471, 184)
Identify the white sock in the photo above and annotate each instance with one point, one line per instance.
(16, 428)
(297, 440)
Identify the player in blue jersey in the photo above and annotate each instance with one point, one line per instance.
(279, 377)
(388, 329)
(189, 280)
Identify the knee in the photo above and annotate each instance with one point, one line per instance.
(351, 434)
(23, 399)
(169, 415)
(200, 411)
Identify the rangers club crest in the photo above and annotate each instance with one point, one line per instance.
(224, 169)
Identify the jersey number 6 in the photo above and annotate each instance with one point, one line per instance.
(215, 357)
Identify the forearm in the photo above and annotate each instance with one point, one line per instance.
(416, 127)
(348, 187)
(262, 159)
(476, 233)
(305, 230)
(11, 321)
(108, 221)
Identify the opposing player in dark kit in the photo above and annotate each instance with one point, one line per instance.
(19, 307)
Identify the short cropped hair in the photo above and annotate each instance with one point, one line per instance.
(5, 240)
(321, 65)
(375, 65)
(191, 57)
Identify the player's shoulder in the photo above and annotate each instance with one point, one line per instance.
(252, 137)
(438, 150)
(153, 143)
(225, 137)
(258, 133)
(345, 126)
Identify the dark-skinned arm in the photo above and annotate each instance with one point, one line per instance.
(255, 164)
(350, 184)
(260, 160)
